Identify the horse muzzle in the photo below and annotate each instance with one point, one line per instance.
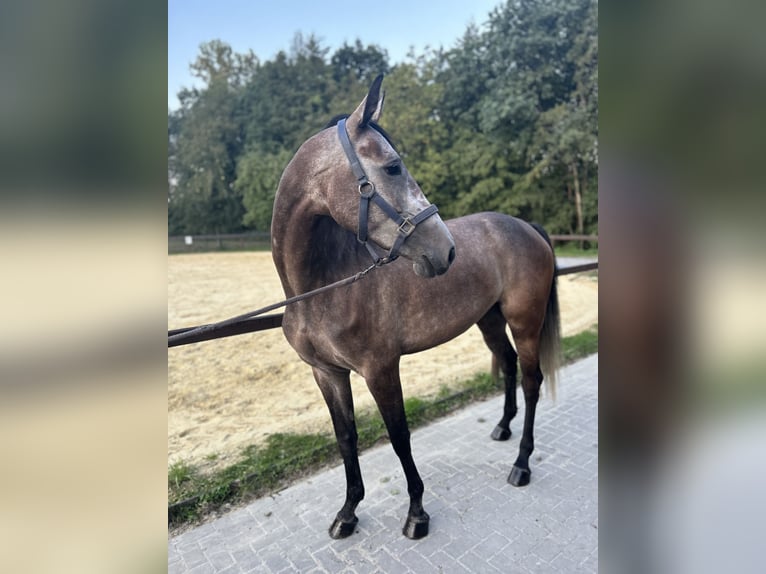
(437, 258)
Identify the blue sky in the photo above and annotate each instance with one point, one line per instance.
(268, 26)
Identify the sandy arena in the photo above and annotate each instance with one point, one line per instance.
(226, 394)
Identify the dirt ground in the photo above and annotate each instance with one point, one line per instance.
(226, 394)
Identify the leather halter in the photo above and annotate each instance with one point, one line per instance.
(406, 225)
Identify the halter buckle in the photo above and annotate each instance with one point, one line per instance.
(406, 227)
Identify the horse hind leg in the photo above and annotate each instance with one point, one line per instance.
(531, 380)
(336, 390)
(493, 329)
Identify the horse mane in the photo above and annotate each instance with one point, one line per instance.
(331, 248)
(334, 122)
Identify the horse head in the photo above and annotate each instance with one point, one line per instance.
(392, 211)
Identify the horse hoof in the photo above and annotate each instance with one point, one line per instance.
(416, 526)
(499, 433)
(519, 476)
(341, 529)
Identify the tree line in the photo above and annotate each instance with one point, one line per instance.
(506, 120)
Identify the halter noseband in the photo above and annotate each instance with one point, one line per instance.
(406, 225)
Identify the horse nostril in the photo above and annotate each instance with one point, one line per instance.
(451, 256)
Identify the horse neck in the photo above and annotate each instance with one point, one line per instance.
(309, 249)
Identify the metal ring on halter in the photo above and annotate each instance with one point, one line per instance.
(369, 193)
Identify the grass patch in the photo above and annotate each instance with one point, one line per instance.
(580, 345)
(179, 474)
(572, 250)
(288, 457)
(285, 457)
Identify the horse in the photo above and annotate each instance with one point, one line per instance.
(345, 196)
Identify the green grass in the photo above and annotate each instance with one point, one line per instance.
(580, 345)
(260, 469)
(179, 474)
(571, 249)
(288, 457)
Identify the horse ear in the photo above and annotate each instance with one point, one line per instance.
(379, 108)
(371, 107)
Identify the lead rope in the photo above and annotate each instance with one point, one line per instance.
(175, 340)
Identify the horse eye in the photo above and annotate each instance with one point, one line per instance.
(394, 169)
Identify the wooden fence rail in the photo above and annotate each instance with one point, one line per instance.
(262, 240)
(254, 324)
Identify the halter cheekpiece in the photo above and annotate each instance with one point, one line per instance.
(406, 224)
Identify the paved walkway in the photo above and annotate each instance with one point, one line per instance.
(479, 523)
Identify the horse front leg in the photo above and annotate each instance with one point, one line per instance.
(386, 389)
(336, 390)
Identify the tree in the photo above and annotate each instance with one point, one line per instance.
(505, 120)
(288, 98)
(352, 69)
(567, 133)
(205, 140)
(217, 61)
(523, 95)
(258, 176)
(358, 64)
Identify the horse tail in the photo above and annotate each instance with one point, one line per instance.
(550, 336)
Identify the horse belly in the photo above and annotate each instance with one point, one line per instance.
(447, 307)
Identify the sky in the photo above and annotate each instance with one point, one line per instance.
(268, 26)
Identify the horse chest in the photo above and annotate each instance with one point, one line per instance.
(340, 339)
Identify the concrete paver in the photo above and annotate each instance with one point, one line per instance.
(479, 523)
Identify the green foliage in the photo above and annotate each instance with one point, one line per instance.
(204, 145)
(506, 120)
(572, 249)
(258, 175)
(357, 63)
